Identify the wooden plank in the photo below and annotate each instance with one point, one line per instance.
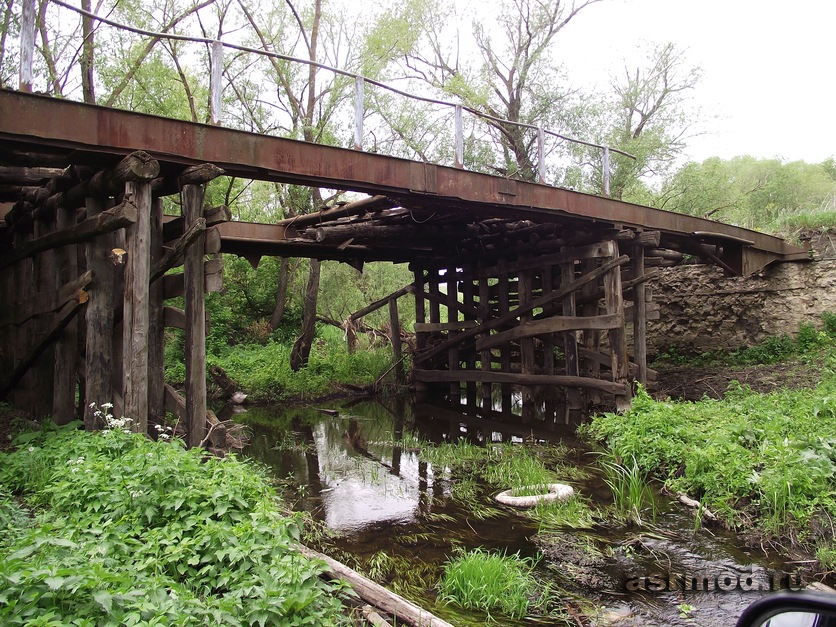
(175, 403)
(485, 357)
(527, 359)
(436, 298)
(555, 324)
(174, 284)
(442, 376)
(453, 316)
(440, 327)
(420, 306)
(468, 300)
(124, 214)
(135, 310)
(192, 202)
(539, 302)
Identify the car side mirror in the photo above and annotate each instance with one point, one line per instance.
(789, 609)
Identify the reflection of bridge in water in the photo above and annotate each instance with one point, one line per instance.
(522, 290)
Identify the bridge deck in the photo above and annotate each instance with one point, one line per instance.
(433, 212)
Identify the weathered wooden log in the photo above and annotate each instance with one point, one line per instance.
(195, 352)
(136, 309)
(173, 255)
(648, 238)
(174, 318)
(494, 376)
(28, 176)
(119, 217)
(65, 366)
(156, 325)
(365, 311)
(441, 327)
(199, 174)
(375, 594)
(397, 351)
(614, 305)
(371, 204)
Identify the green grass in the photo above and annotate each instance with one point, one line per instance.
(264, 372)
(631, 492)
(131, 531)
(489, 582)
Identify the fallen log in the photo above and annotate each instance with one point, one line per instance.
(376, 595)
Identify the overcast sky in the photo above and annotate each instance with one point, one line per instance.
(769, 67)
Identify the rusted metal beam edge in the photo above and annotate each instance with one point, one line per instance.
(34, 119)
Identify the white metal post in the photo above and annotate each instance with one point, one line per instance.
(359, 112)
(459, 138)
(27, 45)
(541, 155)
(217, 60)
(605, 167)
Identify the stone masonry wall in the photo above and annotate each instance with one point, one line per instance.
(701, 309)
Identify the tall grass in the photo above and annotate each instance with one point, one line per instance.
(489, 582)
(631, 492)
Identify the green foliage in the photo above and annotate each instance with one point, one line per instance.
(489, 582)
(765, 194)
(264, 371)
(140, 532)
(768, 460)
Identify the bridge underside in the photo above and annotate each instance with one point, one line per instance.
(524, 292)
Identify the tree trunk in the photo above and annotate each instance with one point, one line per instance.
(281, 294)
(302, 347)
(86, 61)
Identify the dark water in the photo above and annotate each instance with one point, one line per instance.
(358, 471)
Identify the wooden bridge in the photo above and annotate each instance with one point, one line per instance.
(520, 288)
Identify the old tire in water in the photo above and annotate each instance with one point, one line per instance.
(554, 492)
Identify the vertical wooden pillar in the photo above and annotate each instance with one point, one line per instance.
(574, 397)
(45, 282)
(547, 280)
(485, 357)
(505, 351)
(156, 325)
(395, 326)
(192, 196)
(135, 317)
(614, 303)
(527, 358)
(99, 353)
(468, 298)
(453, 316)
(420, 307)
(591, 338)
(639, 314)
(23, 273)
(66, 348)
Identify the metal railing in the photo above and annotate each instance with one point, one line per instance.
(216, 48)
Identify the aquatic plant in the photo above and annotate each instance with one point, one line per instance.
(631, 491)
(489, 582)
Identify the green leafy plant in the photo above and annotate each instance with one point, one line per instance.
(631, 491)
(489, 582)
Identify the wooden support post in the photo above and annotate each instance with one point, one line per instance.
(99, 353)
(135, 316)
(43, 370)
(470, 359)
(614, 303)
(156, 325)
(420, 307)
(527, 358)
(639, 314)
(591, 338)
(23, 273)
(453, 316)
(547, 279)
(505, 351)
(192, 196)
(485, 355)
(570, 345)
(395, 326)
(66, 348)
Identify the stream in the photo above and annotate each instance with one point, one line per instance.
(357, 470)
